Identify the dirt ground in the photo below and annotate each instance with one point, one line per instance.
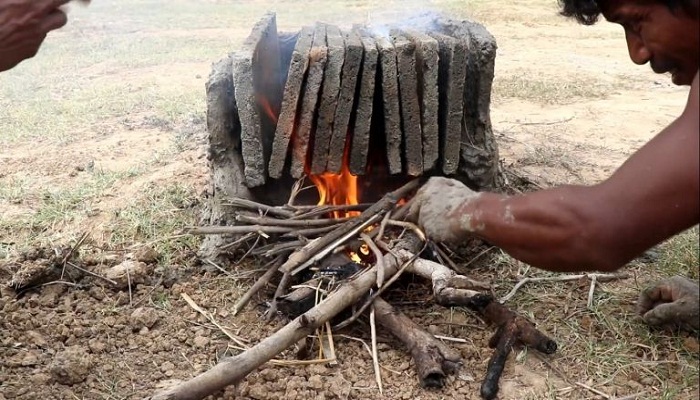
(103, 135)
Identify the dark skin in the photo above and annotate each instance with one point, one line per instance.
(654, 195)
(24, 25)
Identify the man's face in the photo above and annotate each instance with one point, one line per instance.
(668, 40)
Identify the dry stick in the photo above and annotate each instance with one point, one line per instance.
(294, 223)
(378, 255)
(251, 205)
(594, 390)
(275, 248)
(211, 319)
(512, 329)
(296, 189)
(408, 225)
(381, 290)
(279, 292)
(434, 360)
(387, 203)
(561, 278)
(259, 284)
(239, 241)
(70, 253)
(375, 356)
(234, 230)
(590, 292)
(250, 250)
(315, 211)
(304, 233)
(92, 273)
(330, 247)
(233, 369)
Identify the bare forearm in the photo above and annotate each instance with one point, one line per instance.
(551, 229)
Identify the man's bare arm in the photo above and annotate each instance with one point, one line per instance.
(652, 196)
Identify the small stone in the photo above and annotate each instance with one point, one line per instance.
(127, 273)
(71, 366)
(167, 366)
(143, 317)
(316, 382)
(96, 346)
(35, 338)
(146, 254)
(201, 342)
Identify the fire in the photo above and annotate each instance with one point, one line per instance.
(337, 189)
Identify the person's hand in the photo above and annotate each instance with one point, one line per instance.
(671, 302)
(24, 25)
(437, 209)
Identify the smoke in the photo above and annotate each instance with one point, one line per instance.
(409, 14)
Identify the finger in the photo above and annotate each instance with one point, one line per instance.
(663, 314)
(659, 293)
(54, 20)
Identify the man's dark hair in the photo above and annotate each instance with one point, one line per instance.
(587, 12)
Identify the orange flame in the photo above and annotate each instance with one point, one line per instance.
(337, 189)
(267, 108)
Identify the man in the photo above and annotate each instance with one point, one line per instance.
(24, 25)
(654, 195)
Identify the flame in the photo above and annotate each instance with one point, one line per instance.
(267, 108)
(337, 189)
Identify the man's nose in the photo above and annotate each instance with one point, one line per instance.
(638, 51)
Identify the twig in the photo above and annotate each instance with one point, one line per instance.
(594, 390)
(386, 203)
(211, 319)
(382, 226)
(407, 255)
(442, 254)
(128, 282)
(259, 284)
(92, 273)
(279, 292)
(331, 344)
(251, 205)
(434, 360)
(217, 266)
(305, 233)
(378, 256)
(375, 357)
(274, 249)
(239, 241)
(72, 251)
(328, 248)
(293, 223)
(235, 230)
(296, 188)
(408, 225)
(561, 278)
(590, 291)
(250, 250)
(316, 210)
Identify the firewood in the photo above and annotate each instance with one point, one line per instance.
(452, 290)
(334, 238)
(434, 360)
(234, 369)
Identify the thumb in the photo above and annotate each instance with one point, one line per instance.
(663, 314)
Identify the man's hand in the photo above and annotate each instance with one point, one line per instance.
(24, 25)
(671, 302)
(435, 209)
